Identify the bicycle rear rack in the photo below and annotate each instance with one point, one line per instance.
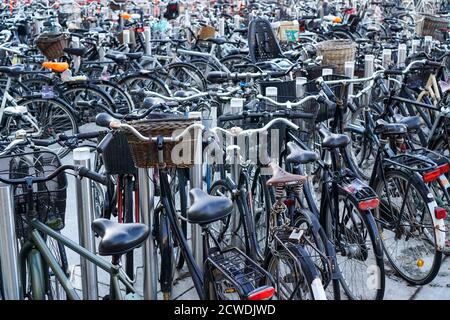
(234, 272)
(419, 162)
(357, 188)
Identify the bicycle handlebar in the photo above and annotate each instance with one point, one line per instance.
(79, 170)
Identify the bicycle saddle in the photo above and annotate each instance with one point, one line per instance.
(13, 71)
(116, 57)
(390, 129)
(134, 55)
(335, 140)
(151, 102)
(412, 123)
(79, 52)
(299, 156)
(282, 178)
(219, 40)
(119, 238)
(206, 209)
(183, 94)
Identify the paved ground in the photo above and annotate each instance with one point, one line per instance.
(396, 288)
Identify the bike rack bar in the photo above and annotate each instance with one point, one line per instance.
(9, 255)
(196, 182)
(147, 38)
(349, 68)
(85, 205)
(401, 56)
(146, 206)
(368, 72)
(386, 59)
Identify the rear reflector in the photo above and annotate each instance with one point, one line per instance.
(368, 204)
(444, 168)
(440, 213)
(262, 293)
(431, 176)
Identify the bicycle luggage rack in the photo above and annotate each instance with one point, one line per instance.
(242, 273)
(415, 162)
(357, 188)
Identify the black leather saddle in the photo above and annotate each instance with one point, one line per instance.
(299, 156)
(386, 129)
(335, 140)
(119, 238)
(219, 40)
(13, 71)
(151, 102)
(413, 123)
(119, 58)
(79, 52)
(206, 209)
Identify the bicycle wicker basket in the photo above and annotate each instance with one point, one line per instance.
(52, 44)
(337, 53)
(431, 25)
(48, 198)
(206, 33)
(145, 153)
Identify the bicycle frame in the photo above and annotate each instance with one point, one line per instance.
(36, 239)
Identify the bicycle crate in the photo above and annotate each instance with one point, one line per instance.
(52, 45)
(234, 271)
(287, 92)
(145, 154)
(117, 156)
(49, 198)
(337, 52)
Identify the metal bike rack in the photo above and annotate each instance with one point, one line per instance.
(146, 207)
(386, 59)
(368, 72)
(9, 255)
(349, 68)
(85, 205)
(147, 39)
(196, 182)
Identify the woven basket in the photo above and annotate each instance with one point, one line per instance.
(145, 154)
(206, 33)
(116, 7)
(52, 45)
(337, 53)
(431, 25)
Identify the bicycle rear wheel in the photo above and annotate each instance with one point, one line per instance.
(358, 250)
(406, 227)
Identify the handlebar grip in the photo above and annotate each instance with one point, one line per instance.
(393, 72)
(276, 74)
(230, 117)
(43, 142)
(433, 63)
(94, 176)
(88, 135)
(104, 120)
(217, 76)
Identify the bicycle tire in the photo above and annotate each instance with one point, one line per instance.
(361, 254)
(422, 191)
